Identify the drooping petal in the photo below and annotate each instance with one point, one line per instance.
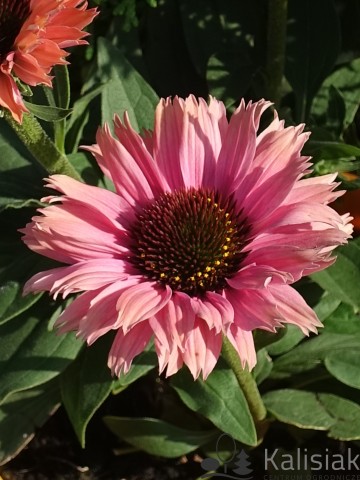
(83, 276)
(217, 312)
(141, 302)
(173, 323)
(243, 342)
(127, 346)
(94, 313)
(202, 349)
(254, 309)
(71, 232)
(255, 276)
(172, 326)
(294, 309)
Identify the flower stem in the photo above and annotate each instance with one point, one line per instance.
(248, 386)
(276, 43)
(31, 133)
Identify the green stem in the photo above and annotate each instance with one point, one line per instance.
(40, 146)
(276, 43)
(248, 386)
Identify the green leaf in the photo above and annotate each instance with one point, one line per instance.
(343, 278)
(12, 302)
(311, 353)
(21, 414)
(157, 437)
(293, 335)
(47, 112)
(219, 399)
(298, 408)
(228, 77)
(346, 414)
(61, 86)
(345, 367)
(322, 411)
(263, 366)
(20, 177)
(30, 354)
(86, 168)
(343, 320)
(312, 48)
(327, 150)
(79, 116)
(336, 111)
(346, 80)
(124, 89)
(86, 384)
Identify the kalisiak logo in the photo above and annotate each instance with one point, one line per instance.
(239, 463)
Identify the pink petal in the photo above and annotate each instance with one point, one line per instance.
(217, 312)
(315, 189)
(172, 324)
(254, 309)
(293, 259)
(89, 275)
(202, 349)
(53, 234)
(130, 181)
(258, 276)
(294, 309)
(109, 206)
(171, 359)
(276, 167)
(127, 346)
(243, 342)
(137, 149)
(141, 302)
(167, 140)
(201, 140)
(239, 145)
(94, 313)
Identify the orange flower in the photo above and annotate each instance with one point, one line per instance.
(33, 36)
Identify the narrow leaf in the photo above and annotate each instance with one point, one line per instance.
(48, 113)
(158, 437)
(86, 384)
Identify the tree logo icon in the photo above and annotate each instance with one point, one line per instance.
(239, 460)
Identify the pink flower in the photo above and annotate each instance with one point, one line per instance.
(210, 224)
(33, 36)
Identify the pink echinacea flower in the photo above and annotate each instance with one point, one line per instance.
(210, 225)
(33, 36)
